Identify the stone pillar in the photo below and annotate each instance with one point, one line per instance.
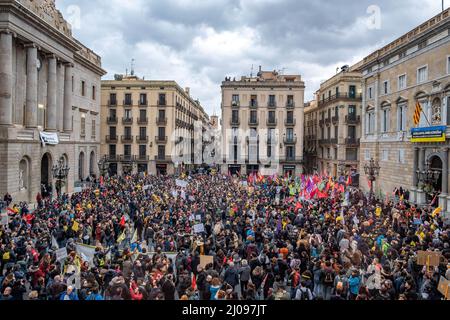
(415, 166)
(6, 74)
(51, 94)
(67, 115)
(31, 109)
(444, 193)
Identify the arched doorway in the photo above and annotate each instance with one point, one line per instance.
(46, 179)
(92, 164)
(81, 167)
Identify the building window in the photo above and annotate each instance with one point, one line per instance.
(402, 82)
(385, 156)
(328, 153)
(272, 102)
(401, 117)
(127, 114)
(352, 92)
(385, 123)
(253, 117)
(370, 122)
(367, 155)
(127, 150)
(143, 133)
(162, 99)
(127, 131)
(161, 132)
(83, 125)
(422, 74)
(143, 99)
(112, 99)
(351, 154)
(142, 150)
(161, 152)
(94, 93)
(385, 87)
(112, 149)
(128, 101)
(401, 156)
(93, 129)
(448, 65)
(370, 93)
(253, 101)
(290, 153)
(83, 88)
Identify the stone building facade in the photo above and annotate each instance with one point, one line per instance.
(148, 126)
(49, 83)
(413, 68)
(262, 124)
(311, 134)
(339, 122)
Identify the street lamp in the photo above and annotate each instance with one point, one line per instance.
(372, 170)
(60, 172)
(103, 165)
(428, 176)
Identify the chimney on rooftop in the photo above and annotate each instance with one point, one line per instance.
(187, 90)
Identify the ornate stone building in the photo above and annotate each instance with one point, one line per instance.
(49, 86)
(262, 124)
(148, 126)
(414, 68)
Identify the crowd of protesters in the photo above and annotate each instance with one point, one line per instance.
(269, 238)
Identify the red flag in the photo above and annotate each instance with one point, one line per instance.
(313, 193)
(298, 206)
(194, 282)
(349, 180)
(122, 221)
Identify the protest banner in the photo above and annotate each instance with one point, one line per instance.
(199, 228)
(86, 252)
(182, 183)
(61, 254)
(205, 260)
(146, 187)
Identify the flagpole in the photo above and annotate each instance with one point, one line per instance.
(426, 118)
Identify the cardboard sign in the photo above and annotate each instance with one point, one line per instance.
(198, 217)
(444, 288)
(205, 260)
(199, 228)
(427, 258)
(181, 183)
(146, 187)
(61, 254)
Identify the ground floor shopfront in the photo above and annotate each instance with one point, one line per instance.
(283, 169)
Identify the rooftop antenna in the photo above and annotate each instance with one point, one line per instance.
(132, 67)
(126, 72)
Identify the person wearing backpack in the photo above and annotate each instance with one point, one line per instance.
(303, 292)
(328, 280)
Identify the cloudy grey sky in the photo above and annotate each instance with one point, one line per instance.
(199, 42)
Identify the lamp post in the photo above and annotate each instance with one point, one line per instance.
(428, 176)
(372, 170)
(60, 172)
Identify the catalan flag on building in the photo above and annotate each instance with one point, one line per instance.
(417, 114)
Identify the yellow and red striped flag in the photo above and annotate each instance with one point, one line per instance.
(417, 113)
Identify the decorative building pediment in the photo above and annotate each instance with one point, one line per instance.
(401, 100)
(46, 10)
(436, 87)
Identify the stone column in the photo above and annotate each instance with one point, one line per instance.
(444, 193)
(51, 94)
(413, 194)
(67, 115)
(31, 109)
(421, 198)
(6, 73)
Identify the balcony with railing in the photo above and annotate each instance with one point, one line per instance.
(290, 140)
(111, 139)
(161, 139)
(235, 104)
(235, 122)
(290, 105)
(333, 141)
(112, 158)
(352, 119)
(127, 139)
(340, 96)
(328, 121)
(272, 105)
(142, 158)
(253, 122)
(141, 139)
(112, 103)
(112, 120)
(352, 142)
(161, 121)
(335, 120)
(163, 158)
(290, 122)
(272, 121)
(127, 121)
(143, 103)
(253, 104)
(128, 102)
(126, 158)
(161, 103)
(324, 141)
(142, 121)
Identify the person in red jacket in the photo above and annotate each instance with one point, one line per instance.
(135, 293)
